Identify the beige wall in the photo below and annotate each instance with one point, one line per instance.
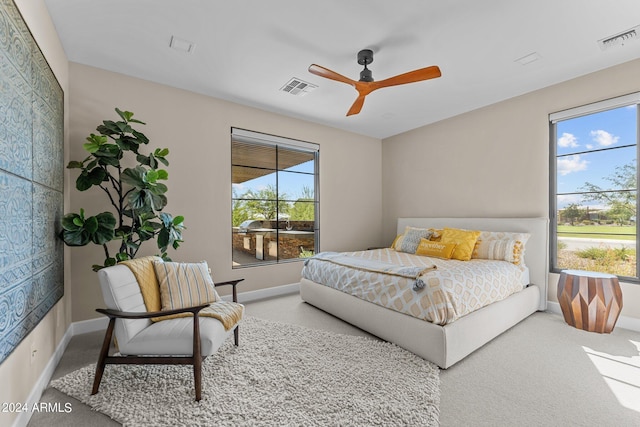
(493, 161)
(19, 372)
(196, 129)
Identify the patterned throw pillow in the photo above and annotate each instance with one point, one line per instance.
(411, 239)
(464, 239)
(504, 246)
(185, 284)
(435, 249)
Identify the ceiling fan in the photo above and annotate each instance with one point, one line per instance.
(366, 84)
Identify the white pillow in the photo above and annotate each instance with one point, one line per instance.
(501, 245)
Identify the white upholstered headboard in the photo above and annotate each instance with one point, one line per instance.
(537, 248)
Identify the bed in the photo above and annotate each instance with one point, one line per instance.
(447, 343)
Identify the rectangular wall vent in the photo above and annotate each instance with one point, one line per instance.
(298, 87)
(619, 39)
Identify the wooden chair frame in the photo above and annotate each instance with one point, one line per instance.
(195, 360)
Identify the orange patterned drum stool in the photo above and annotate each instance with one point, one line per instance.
(589, 300)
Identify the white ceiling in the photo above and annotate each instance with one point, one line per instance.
(246, 50)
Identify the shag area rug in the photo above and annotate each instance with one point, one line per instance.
(280, 375)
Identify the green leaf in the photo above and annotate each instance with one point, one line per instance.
(69, 222)
(163, 239)
(109, 161)
(96, 267)
(134, 177)
(158, 189)
(151, 176)
(141, 137)
(97, 175)
(91, 225)
(92, 164)
(142, 159)
(108, 127)
(105, 232)
(91, 147)
(127, 143)
(137, 199)
(74, 164)
(125, 115)
(162, 174)
(153, 163)
(122, 256)
(161, 152)
(178, 220)
(83, 182)
(75, 238)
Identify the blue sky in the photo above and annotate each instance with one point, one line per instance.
(289, 183)
(608, 129)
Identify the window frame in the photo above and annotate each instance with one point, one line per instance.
(572, 113)
(279, 142)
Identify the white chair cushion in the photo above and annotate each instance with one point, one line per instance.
(175, 337)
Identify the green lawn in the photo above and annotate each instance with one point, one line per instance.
(598, 231)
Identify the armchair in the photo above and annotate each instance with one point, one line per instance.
(183, 341)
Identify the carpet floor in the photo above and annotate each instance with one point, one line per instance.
(282, 374)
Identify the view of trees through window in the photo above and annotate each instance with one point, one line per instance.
(595, 201)
(274, 203)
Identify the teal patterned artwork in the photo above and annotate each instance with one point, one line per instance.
(31, 182)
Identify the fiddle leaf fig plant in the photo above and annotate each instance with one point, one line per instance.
(136, 194)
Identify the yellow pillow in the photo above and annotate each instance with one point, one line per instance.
(436, 249)
(397, 241)
(464, 239)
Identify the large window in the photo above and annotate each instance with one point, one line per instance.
(274, 198)
(594, 152)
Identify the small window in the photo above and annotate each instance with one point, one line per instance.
(274, 198)
(594, 152)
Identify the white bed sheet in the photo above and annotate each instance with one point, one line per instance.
(453, 290)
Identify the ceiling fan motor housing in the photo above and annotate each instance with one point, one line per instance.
(365, 57)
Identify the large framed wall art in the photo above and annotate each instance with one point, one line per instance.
(31, 182)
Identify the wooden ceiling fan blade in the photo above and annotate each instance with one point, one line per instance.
(329, 74)
(411, 77)
(357, 106)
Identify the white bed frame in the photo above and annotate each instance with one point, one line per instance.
(446, 345)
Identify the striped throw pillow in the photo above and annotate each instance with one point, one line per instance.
(500, 245)
(184, 284)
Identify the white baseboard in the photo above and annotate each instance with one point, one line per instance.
(623, 322)
(276, 291)
(43, 381)
(91, 325)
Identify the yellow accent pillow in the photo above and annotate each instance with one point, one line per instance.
(464, 239)
(436, 249)
(397, 241)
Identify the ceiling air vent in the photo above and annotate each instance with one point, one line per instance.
(619, 39)
(298, 87)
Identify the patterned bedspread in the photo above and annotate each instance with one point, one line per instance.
(452, 290)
